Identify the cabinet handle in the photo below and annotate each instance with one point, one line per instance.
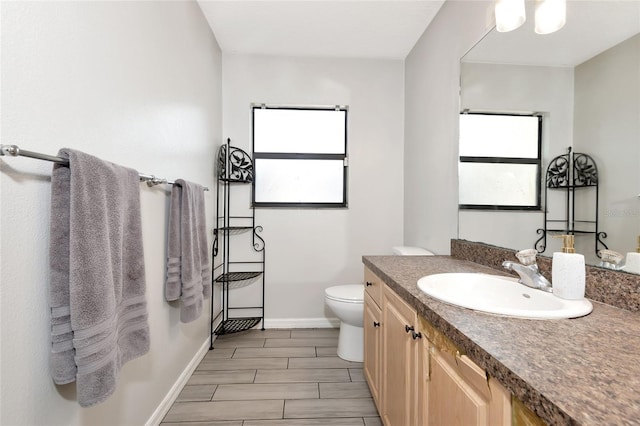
(408, 329)
(415, 335)
(369, 284)
(376, 324)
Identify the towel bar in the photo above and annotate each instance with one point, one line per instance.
(15, 151)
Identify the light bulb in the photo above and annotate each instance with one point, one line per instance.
(551, 15)
(510, 15)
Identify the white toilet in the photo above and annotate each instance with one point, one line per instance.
(347, 303)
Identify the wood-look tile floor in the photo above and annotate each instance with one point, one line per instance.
(275, 377)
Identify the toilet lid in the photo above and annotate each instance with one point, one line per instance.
(353, 293)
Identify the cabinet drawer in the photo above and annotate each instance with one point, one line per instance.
(373, 286)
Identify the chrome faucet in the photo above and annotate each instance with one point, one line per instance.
(529, 275)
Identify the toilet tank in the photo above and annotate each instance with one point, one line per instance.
(411, 251)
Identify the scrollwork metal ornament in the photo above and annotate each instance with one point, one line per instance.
(585, 171)
(222, 162)
(241, 165)
(558, 172)
(258, 245)
(599, 242)
(541, 243)
(239, 162)
(214, 248)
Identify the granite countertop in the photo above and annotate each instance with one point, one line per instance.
(583, 371)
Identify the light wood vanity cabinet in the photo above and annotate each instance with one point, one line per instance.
(416, 374)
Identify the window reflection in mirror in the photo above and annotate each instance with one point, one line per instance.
(499, 166)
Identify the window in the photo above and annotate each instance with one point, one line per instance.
(500, 161)
(300, 156)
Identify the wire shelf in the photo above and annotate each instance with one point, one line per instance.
(238, 279)
(235, 325)
(237, 276)
(235, 230)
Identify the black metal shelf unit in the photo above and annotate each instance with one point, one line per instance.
(572, 172)
(235, 167)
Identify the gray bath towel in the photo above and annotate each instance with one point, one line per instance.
(97, 294)
(188, 270)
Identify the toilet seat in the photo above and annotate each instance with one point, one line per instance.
(350, 293)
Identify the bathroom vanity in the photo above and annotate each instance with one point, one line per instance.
(426, 360)
(417, 376)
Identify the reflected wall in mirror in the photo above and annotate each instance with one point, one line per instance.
(585, 82)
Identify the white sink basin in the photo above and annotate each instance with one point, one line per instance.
(500, 295)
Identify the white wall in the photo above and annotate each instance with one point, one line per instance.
(607, 127)
(513, 88)
(308, 250)
(432, 77)
(135, 83)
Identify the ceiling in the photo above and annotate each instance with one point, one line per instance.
(325, 28)
(592, 27)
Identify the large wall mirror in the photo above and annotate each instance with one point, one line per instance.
(584, 83)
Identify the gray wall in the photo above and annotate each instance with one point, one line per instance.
(432, 77)
(308, 250)
(607, 126)
(135, 83)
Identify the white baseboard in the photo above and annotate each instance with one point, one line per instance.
(175, 390)
(301, 323)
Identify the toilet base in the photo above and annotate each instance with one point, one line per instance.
(351, 343)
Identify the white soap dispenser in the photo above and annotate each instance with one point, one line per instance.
(568, 271)
(632, 263)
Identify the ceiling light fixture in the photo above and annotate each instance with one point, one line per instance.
(551, 15)
(510, 14)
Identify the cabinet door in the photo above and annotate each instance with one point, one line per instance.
(399, 357)
(372, 347)
(459, 394)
